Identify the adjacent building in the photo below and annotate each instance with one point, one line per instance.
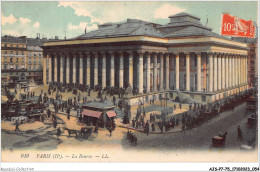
(21, 59)
(13, 53)
(181, 58)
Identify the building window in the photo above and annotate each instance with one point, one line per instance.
(5, 59)
(195, 61)
(17, 52)
(30, 60)
(5, 45)
(16, 66)
(5, 67)
(17, 60)
(34, 55)
(11, 52)
(40, 55)
(11, 59)
(17, 46)
(5, 52)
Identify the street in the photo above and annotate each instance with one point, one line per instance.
(200, 138)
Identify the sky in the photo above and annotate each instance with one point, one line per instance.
(53, 18)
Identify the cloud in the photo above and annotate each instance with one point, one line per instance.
(166, 10)
(10, 32)
(10, 19)
(24, 20)
(36, 24)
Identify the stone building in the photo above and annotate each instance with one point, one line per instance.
(22, 59)
(13, 59)
(34, 59)
(182, 57)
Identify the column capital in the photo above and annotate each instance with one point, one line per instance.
(198, 53)
(120, 53)
(187, 53)
(95, 54)
(111, 53)
(102, 53)
(140, 52)
(167, 54)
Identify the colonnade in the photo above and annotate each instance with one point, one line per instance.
(144, 70)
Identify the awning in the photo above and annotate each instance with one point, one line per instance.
(91, 113)
(111, 114)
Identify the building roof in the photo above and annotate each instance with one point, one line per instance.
(192, 31)
(99, 105)
(183, 14)
(34, 42)
(12, 39)
(132, 27)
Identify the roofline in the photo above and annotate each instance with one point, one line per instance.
(149, 39)
(186, 14)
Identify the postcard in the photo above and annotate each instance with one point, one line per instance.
(158, 81)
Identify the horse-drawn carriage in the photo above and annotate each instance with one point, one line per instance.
(131, 138)
(36, 117)
(219, 141)
(83, 133)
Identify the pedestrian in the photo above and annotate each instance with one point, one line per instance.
(183, 128)
(55, 123)
(17, 126)
(96, 129)
(58, 132)
(68, 116)
(153, 127)
(110, 131)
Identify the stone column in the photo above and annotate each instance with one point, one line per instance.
(50, 67)
(121, 70)
(44, 69)
(61, 67)
(177, 72)
(112, 70)
(188, 72)
(148, 70)
(238, 72)
(241, 69)
(230, 71)
(81, 68)
(167, 74)
(74, 69)
(131, 69)
(215, 56)
(104, 70)
(88, 68)
(226, 71)
(68, 69)
(219, 72)
(95, 69)
(161, 71)
(246, 65)
(198, 71)
(140, 71)
(223, 67)
(233, 71)
(210, 56)
(245, 68)
(155, 72)
(55, 68)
